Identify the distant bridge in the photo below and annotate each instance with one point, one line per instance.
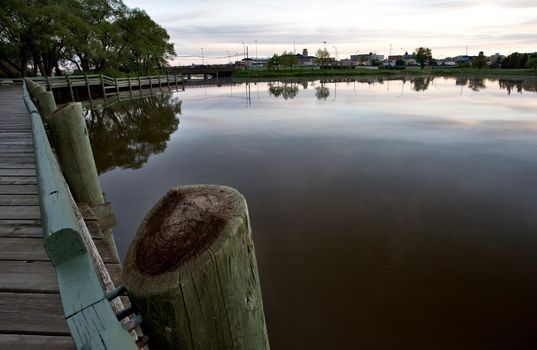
(208, 71)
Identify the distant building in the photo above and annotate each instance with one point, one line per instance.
(305, 59)
(462, 58)
(366, 59)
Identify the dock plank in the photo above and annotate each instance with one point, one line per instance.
(32, 249)
(37, 276)
(18, 199)
(18, 189)
(25, 212)
(32, 313)
(20, 228)
(35, 342)
(18, 180)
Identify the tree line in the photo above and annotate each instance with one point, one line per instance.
(46, 36)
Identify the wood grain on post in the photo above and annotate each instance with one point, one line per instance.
(71, 141)
(192, 273)
(45, 103)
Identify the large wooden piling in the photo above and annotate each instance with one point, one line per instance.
(45, 103)
(71, 141)
(191, 271)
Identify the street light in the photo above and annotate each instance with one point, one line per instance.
(228, 56)
(243, 50)
(202, 59)
(335, 48)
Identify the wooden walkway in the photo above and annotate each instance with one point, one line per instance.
(31, 314)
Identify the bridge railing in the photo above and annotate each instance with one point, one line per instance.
(89, 315)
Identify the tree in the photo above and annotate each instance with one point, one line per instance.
(423, 56)
(273, 62)
(532, 61)
(480, 61)
(322, 57)
(288, 59)
(515, 60)
(93, 35)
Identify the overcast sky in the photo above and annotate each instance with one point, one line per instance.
(446, 26)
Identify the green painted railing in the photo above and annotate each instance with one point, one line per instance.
(87, 309)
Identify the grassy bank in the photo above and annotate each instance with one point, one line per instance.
(308, 72)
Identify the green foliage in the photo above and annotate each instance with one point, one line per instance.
(273, 62)
(423, 56)
(92, 35)
(515, 60)
(323, 57)
(480, 61)
(288, 59)
(532, 61)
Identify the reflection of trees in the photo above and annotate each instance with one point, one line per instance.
(461, 81)
(476, 84)
(127, 133)
(510, 85)
(322, 92)
(287, 91)
(421, 83)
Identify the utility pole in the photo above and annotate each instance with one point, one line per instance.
(246, 51)
(294, 49)
(228, 56)
(243, 50)
(202, 59)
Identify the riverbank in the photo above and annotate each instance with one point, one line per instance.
(307, 72)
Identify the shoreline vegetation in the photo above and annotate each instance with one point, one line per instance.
(316, 72)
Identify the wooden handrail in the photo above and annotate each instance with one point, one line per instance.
(88, 313)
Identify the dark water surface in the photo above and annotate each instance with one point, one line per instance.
(386, 214)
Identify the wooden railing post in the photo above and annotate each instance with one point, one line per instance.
(70, 88)
(88, 86)
(191, 271)
(104, 89)
(45, 103)
(71, 141)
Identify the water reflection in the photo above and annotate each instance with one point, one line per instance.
(421, 83)
(322, 92)
(285, 90)
(290, 89)
(126, 133)
(379, 222)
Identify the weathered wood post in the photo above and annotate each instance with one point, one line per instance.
(88, 87)
(71, 141)
(70, 88)
(104, 89)
(192, 273)
(37, 90)
(45, 103)
(130, 87)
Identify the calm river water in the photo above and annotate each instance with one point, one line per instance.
(386, 214)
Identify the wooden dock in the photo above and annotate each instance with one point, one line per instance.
(31, 313)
